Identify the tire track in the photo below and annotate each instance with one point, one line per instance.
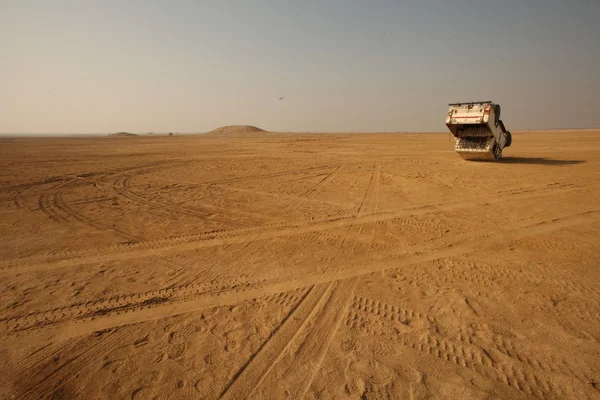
(65, 180)
(291, 363)
(328, 178)
(235, 254)
(271, 175)
(92, 200)
(16, 197)
(287, 299)
(223, 237)
(252, 374)
(55, 207)
(509, 348)
(367, 205)
(120, 310)
(47, 206)
(126, 303)
(237, 251)
(297, 349)
(70, 213)
(54, 373)
(287, 197)
(392, 322)
(371, 197)
(122, 186)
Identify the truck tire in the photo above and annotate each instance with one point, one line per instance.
(496, 113)
(508, 139)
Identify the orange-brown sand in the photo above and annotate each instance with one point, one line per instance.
(367, 266)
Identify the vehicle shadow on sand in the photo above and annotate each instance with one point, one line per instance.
(538, 161)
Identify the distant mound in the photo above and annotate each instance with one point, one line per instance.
(123, 134)
(236, 130)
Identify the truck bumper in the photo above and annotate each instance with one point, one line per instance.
(477, 155)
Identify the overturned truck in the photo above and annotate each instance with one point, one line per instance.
(479, 131)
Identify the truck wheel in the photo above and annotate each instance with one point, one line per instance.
(496, 113)
(508, 139)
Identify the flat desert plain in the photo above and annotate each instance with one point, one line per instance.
(347, 266)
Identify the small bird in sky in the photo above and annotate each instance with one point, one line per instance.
(281, 98)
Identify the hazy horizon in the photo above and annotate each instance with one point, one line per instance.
(152, 66)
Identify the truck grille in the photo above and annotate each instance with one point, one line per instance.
(472, 143)
(474, 131)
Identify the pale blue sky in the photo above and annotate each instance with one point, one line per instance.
(190, 66)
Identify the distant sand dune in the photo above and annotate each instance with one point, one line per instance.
(236, 130)
(123, 134)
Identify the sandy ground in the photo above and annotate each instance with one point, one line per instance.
(299, 266)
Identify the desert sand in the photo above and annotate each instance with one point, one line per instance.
(366, 266)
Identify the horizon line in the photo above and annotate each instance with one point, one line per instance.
(50, 134)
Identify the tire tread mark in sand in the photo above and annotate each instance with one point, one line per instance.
(201, 239)
(312, 338)
(62, 205)
(380, 319)
(234, 254)
(328, 178)
(508, 348)
(279, 196)
(47, 206)
(54, 206)
(395, 313)
(172, 210)
(391, 322)
(370, 199)
(70, 177)
(16, 197)
(262, 363)
(506, 370)
(181, 264)
(152, 166)
(188, 298)
(117, 304)
(370, 190)
(368, 204)
(543, 225)
(149, 247)
(238, 251)
(295, 371)
(92, 200)
(37, 183)
(93, 347)
(286, 299)
(477, 274)
(122, 187)
(255, 177)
